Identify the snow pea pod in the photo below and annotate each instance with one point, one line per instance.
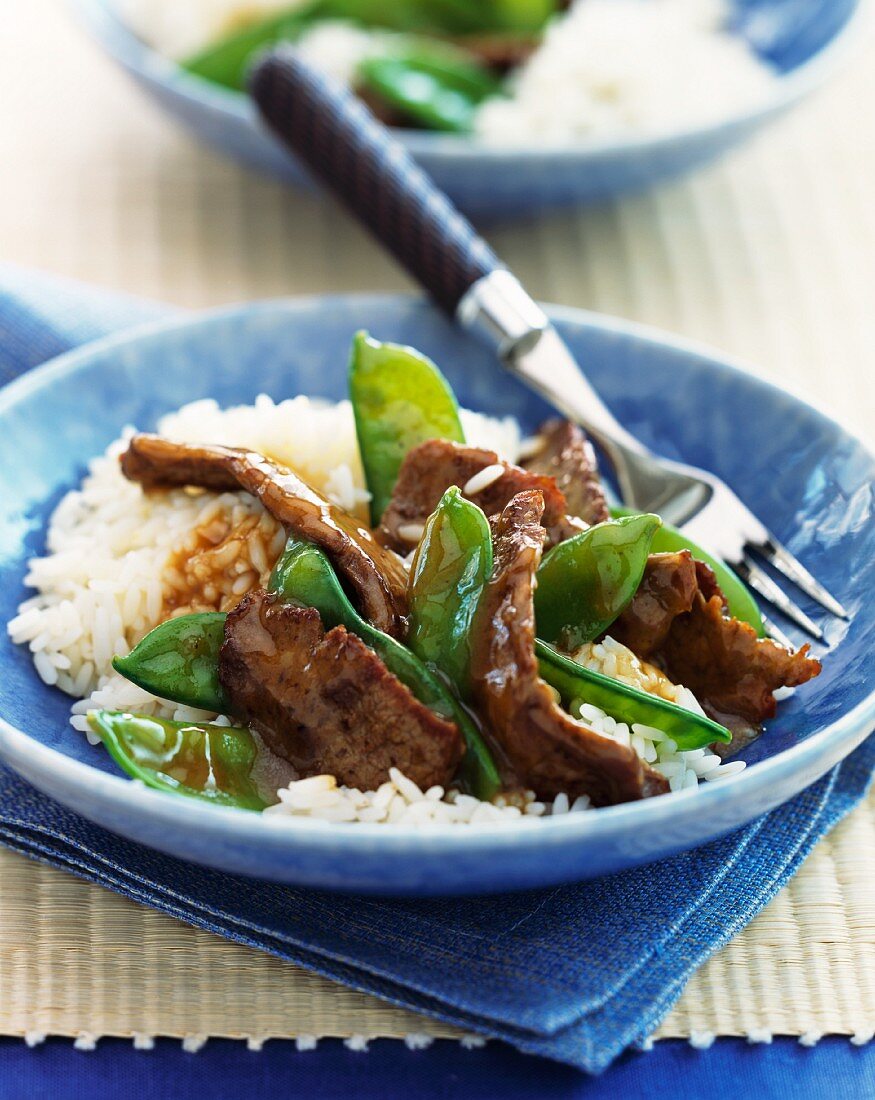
(585, 582)
(439, 89)
(178, 660)
(452, 564)
(200, 760)
(522, 15)
(625, 703)
(739, 599)
(226, 61)
(304, 575)
(452, 17)
(400, 399)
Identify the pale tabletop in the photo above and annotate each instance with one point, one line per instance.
(769, 256)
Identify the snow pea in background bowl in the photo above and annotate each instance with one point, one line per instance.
(785, 459)
(803, 39)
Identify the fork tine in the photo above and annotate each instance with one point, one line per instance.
(761, 582)
(781, 558)
(775, 632)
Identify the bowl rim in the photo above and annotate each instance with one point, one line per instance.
(108, 27)
(29, 756)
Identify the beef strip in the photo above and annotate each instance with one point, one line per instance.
(431, 468)
(326, 702)
(549, 751)
(567, 455)
(667, 590)
(678, 620)
(374, 573)
(500, 51)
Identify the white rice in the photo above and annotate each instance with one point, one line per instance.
(397, 802)
(106, 576)
(482, 480)
(681, 769)
(339, 48)
(100, 587)
(608, 68)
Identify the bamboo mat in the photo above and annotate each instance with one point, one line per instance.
(77, 960)
(769, 256)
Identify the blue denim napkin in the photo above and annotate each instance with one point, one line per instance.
(576, 973)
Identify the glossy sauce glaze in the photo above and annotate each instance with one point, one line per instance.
(375, 573)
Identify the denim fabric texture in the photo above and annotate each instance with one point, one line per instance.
(577, 973)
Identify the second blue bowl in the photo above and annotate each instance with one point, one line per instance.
(801, 38)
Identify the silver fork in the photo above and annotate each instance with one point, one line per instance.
(355, 155)
(501, 312)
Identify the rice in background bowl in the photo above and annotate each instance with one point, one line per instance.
(604, 68)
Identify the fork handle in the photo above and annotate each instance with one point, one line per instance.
(341, 142)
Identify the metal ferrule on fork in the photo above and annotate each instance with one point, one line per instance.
(497, 309)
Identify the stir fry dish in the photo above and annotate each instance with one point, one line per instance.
(491, 628)
(421, 63)
(510, 72)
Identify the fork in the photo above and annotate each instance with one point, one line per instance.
(344, 145)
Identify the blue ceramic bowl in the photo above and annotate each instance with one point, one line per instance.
(791, 464)
(801, 38)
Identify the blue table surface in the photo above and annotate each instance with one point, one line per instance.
(731, 1068)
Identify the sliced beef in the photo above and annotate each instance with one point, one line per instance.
(667, 590)
(374, 573)
(548, 750)
(431, 468)
(567, 455)
(326, 702)
(678, 620)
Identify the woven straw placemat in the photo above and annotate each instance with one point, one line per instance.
(77, 960)
(769, 255)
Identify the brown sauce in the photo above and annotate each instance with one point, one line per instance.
(219, 561)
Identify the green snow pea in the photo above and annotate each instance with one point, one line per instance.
(437, 88)
(742, 604)
(455, 16)
(445, 17)
(449, 17)
(201, 760)
(178, 660)
(226, 61)
(400, 399)
(627, 704)
(305, 576)
(522, 15)
(585, 582)
(452, 564)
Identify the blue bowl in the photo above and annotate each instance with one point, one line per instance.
(791, 464)
(801, 38)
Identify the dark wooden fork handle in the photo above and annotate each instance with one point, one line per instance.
(344, 145)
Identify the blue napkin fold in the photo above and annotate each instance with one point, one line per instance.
(577, 973)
